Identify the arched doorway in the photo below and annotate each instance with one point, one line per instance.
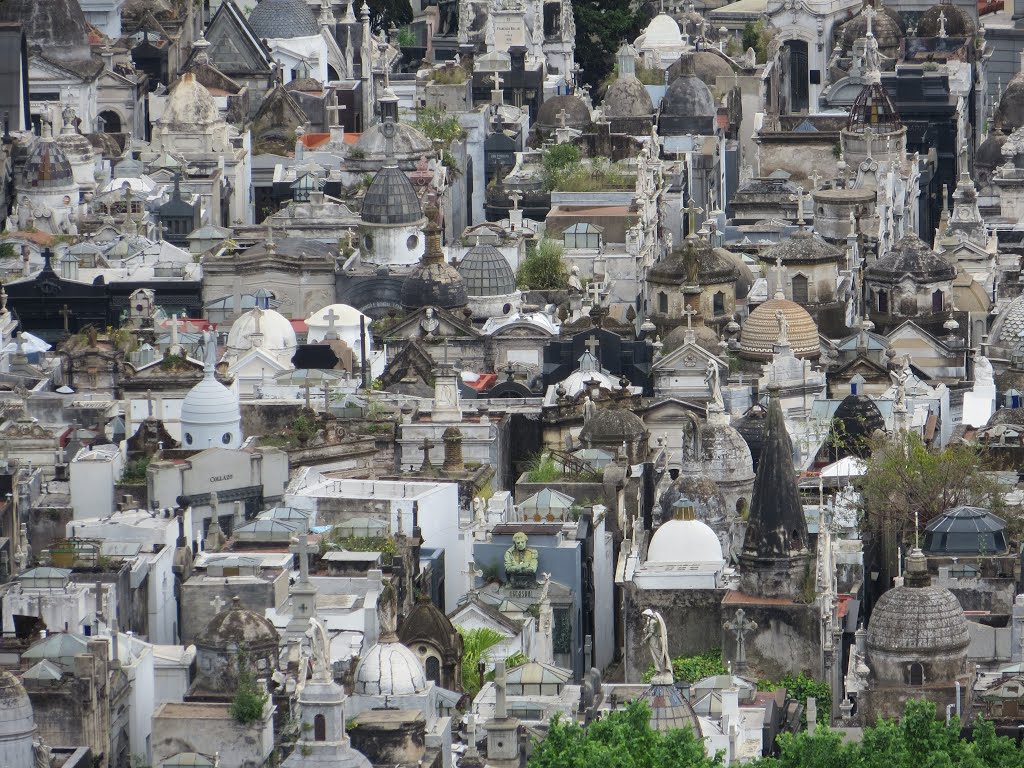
(800, 292)
(110, 122)
(796, 74)
(319, 728)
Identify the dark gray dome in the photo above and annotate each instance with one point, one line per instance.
(391, 199)
(912, 256)
(577, 114)
(966, 531)
(485, 272)
(958, 22)
(50, 24)
(1009, 114)
(612, 426)
(802, 247)
(695, 261)
(627, 97)
(283, 19)
(887, 27)
(751, 429)
(434, 284)
(990, 153)
(688, 96)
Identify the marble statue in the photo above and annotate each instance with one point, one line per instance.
(899, 379)
(429, 323)
(320, 645)
(984, 376)
(575, 286)
(41, 753)
(783, 327)
(387, 612)
(209, 350)
(656, 637)
(711, 378)
(521, 563)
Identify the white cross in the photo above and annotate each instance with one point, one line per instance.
(330, 317)
(496, 79)
(592, 344)
(692, 210)
(799, 198)
(515, 195)
(595, 291)
(942, 23)
(816, 177)
(869, 14)
(337, 109)
(689, 312)
(218, 604)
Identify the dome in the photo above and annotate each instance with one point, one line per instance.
(485, 272)
(684, 541)
(389, 669)
(577, 113)
(344, 316)
(873, 108)
(751, 428)
(886, 26)
(707, 498)
(77, 148)
(50, 24)
(238, 627)
(1009, 114)
(678, 267)
(209, 402)
(283, 19)
(435, 284)
(725, 453)
(1008, 328)
(189, 106)
(958, 21)
(277, 331)
(990, 154)
(612, 426)
(704, 337)
(669, 709)
(708, 65)
(46, 167)
(627, 97)
(802, 247)
(391, 199)
(688, 96)
(17, 725)
(662, 32)
(761, 331)
(917, 622)
(967, 531)
(859, 418)
(408, 142)
(911, 257)
(426, 622)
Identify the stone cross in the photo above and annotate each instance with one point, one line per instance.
(942, 23)
(689, 312)
(218, 604)
(816, 177)
(331, 317)
(594, 289)
(174, 332)
(869, 15)
(692, 210)
(592, 345)
(336, 111)
(868, 137)
(740, 626)
(496, 79)
(425, 447)
(562, 116)
(303, 550)
(65, 312)
(799, 199)
(515, 196)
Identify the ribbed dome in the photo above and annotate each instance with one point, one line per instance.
(209, 403)
(703, 492)
(761, 331)
(283, 19)
(389, 669)
(278, 334)
(802, 247)
(17, 724)
(669, 710)
(46, 167)
(911, 257)
(190, 105)
(662, 31)
(427, 622)
(237, 627)
(485, 272)
(684, 541)
(887, 27)
(391, 199)
(873, 108)
(612, 426)
(627, 97)
(967, 531)
(76, 148)
(577, 114)
(958, 21)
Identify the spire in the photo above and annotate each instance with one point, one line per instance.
(777, 530)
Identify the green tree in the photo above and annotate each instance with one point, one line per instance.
(801, 687)
(601, 27)
(250, 698)
(385, 14)
(907, 484)
(622, 739)
(475, 646)
(757, 36)
(558, 160)
(544, 269)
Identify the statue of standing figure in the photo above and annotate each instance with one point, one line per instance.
(656, 637)
(320, 645)
(713, 380)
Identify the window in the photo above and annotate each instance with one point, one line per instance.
(319, 728)
(433, 669)
(718, 304)
(663, 302)
(916, 674)
(937, 302)
(800, 291)
(188, 438)
(883, 302)
(368, 242)
(226, 438)
(412, 242)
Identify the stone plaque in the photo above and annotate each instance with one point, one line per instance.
(509, 30)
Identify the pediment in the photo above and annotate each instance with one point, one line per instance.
(448, 326)
(689, 358)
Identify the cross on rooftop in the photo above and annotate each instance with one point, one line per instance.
(869, 15)
(689, 312)
(496, 79)
(303, 551)
(942, 23)
(336, 111)
(594, 289)
(218, 604)
(799, 199)
(331, 317)
(592, 345)
(562, 117)
(426, 446)
(515, 195)
(740, 626)
(815, 179)
(692, 210)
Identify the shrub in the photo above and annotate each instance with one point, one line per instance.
(250, 699)
(544, 269)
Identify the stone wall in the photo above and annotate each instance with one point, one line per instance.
(390, 737)
(786, 640)
(254, 594)
(691, 617)
(210, 729)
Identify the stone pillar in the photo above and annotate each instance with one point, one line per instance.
(453, 450)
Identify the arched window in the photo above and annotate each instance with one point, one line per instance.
(916, 674)
(662, 302)
(883, 302)
(718, 304)
(433, 668)
(800, 292)
(111, 122)
(319, 728)
(937, 302)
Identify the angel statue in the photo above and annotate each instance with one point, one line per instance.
(656, 637)
(320, 645)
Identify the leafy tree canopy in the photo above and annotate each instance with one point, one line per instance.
(544, 269)
(385, 14)
(601, 27)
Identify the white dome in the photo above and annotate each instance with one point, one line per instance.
(210, 416)
(346, 325)
(390, 669)
(277, 331)
(17, 725)
(662, 31)
(684, 541)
